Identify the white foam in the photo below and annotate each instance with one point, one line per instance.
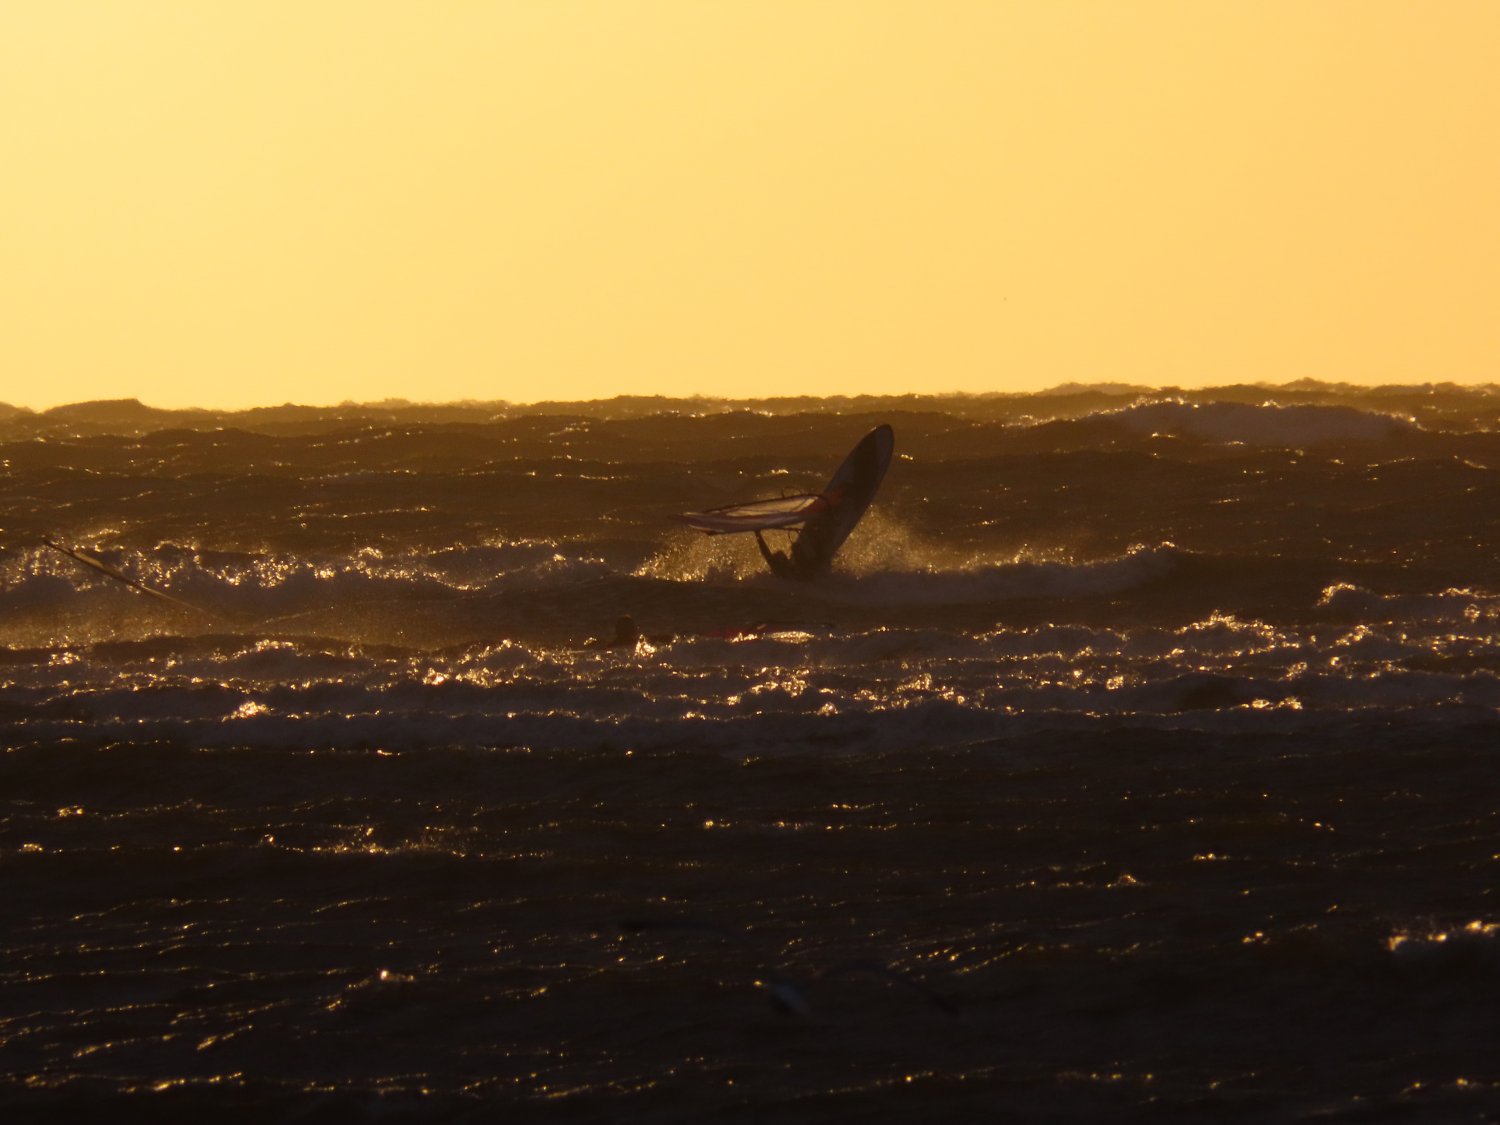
(1266, 425)
(987, 582)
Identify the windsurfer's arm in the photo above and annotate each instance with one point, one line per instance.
(780, 565)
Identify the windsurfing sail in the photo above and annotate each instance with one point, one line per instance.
(758, 515)
(825, 518)
(99, 565)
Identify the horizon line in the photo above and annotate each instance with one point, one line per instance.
(1109, 387)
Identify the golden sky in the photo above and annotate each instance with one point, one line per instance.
(241, 203)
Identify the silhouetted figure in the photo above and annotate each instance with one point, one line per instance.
(628, 635)
(782, 565)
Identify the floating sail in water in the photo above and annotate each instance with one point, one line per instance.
(758, 515)
(97, 564)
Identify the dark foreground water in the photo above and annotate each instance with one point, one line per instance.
(1138, 761)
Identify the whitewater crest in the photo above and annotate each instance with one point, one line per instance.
(1266, 425)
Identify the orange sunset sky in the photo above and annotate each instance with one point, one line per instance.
(242, 203)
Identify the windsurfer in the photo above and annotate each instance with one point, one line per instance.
(805, 561)
(819, 522)
(782, 565)
(802, 562)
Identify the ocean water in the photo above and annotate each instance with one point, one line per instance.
(1138, 760)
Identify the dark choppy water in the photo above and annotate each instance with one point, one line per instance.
(1138, 760)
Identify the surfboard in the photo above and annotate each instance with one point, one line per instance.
(849, 493)
(826, 518)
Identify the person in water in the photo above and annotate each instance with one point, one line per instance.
(628, 635)
(784, 564)
(810, 555)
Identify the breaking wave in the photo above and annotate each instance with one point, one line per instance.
(1267, 425)
(1021, 578)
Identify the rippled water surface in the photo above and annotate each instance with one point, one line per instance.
(1136, 760)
